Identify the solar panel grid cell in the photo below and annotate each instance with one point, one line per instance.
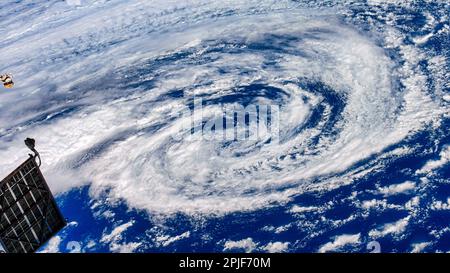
(29, 215)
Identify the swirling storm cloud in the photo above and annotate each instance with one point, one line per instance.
(362, 92)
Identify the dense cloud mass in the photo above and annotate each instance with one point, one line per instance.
(101, 85)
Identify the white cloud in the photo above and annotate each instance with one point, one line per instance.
(439, 205)
(108, 214)
(398, 188)
(246, 244)
(391, 228)
(166, 240)
(105, 214)
(115, 239)
(53, 245)
(276, 247)
(281, 229)
(413, 203)
(341, 241)
(277, 230)
(299, 209)
(435, 164)
(116, 233)
(125, 248)
(419, 247)
(91, 244)
(72, 224)
(422, 39)
(374, 203)
(74, 2)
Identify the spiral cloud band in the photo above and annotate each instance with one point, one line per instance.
(106, 95)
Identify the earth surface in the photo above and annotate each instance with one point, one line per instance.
(361, 158)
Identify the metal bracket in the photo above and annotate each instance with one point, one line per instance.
(31, 143)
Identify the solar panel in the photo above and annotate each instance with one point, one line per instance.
(29, 215)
